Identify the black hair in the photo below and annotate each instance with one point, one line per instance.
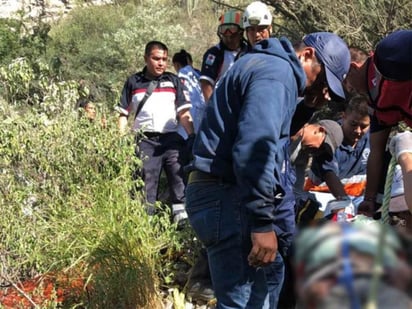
(183, 58)
(154, 44)
(81, 103)
(298, 45)
(358, 54)
(358, 104)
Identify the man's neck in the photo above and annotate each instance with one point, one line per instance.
(150, 76)
(349, 143)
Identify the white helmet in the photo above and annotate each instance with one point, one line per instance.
(257, 14)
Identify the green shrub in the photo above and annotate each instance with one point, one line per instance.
(65, 203)
(105, 50)
(9, 40)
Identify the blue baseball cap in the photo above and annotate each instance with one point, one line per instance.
(334, 54)
(393, 56)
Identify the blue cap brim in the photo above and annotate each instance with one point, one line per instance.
(334, 83)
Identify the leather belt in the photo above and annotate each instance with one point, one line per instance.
(199, 176)
(152, 134)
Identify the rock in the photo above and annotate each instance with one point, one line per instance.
(33, 8)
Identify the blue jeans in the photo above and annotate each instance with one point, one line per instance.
(275, 275)
(222, 225)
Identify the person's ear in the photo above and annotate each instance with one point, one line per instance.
(322, 129)
(355, 65)
(307, 54)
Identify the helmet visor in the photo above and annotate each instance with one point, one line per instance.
(228, 29)
(254, 21)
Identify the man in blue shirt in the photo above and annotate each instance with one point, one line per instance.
(344, 177)
(235, 186)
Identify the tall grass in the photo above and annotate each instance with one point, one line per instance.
(66, 209)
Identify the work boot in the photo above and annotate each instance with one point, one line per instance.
(199, 283)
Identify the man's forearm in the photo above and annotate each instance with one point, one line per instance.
(335, 186)
(185, 119)
(374, 169)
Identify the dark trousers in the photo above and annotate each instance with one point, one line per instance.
(157, 152)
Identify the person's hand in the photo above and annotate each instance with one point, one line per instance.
(366, 208)
(264, 248)
(401, 143)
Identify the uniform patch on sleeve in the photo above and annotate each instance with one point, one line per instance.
(210, 59)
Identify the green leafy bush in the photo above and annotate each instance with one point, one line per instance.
(27, 83)
(9, 39)
(65, 199)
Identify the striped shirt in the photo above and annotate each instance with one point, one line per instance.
(159, 113)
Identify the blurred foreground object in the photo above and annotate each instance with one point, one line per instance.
(335, 265)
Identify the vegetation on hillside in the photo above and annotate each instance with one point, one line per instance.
(361, 23)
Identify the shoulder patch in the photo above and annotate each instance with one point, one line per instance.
(166, 84)
(210, 59)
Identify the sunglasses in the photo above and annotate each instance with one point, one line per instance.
(228, 29)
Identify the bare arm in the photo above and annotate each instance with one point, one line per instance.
(207, 89)
(185, 119)
(375, 161)
(334, 184)
(374, 170)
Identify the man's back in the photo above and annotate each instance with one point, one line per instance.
(267, 72)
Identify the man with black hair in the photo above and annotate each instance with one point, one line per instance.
(344, 177)
(157, 119)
